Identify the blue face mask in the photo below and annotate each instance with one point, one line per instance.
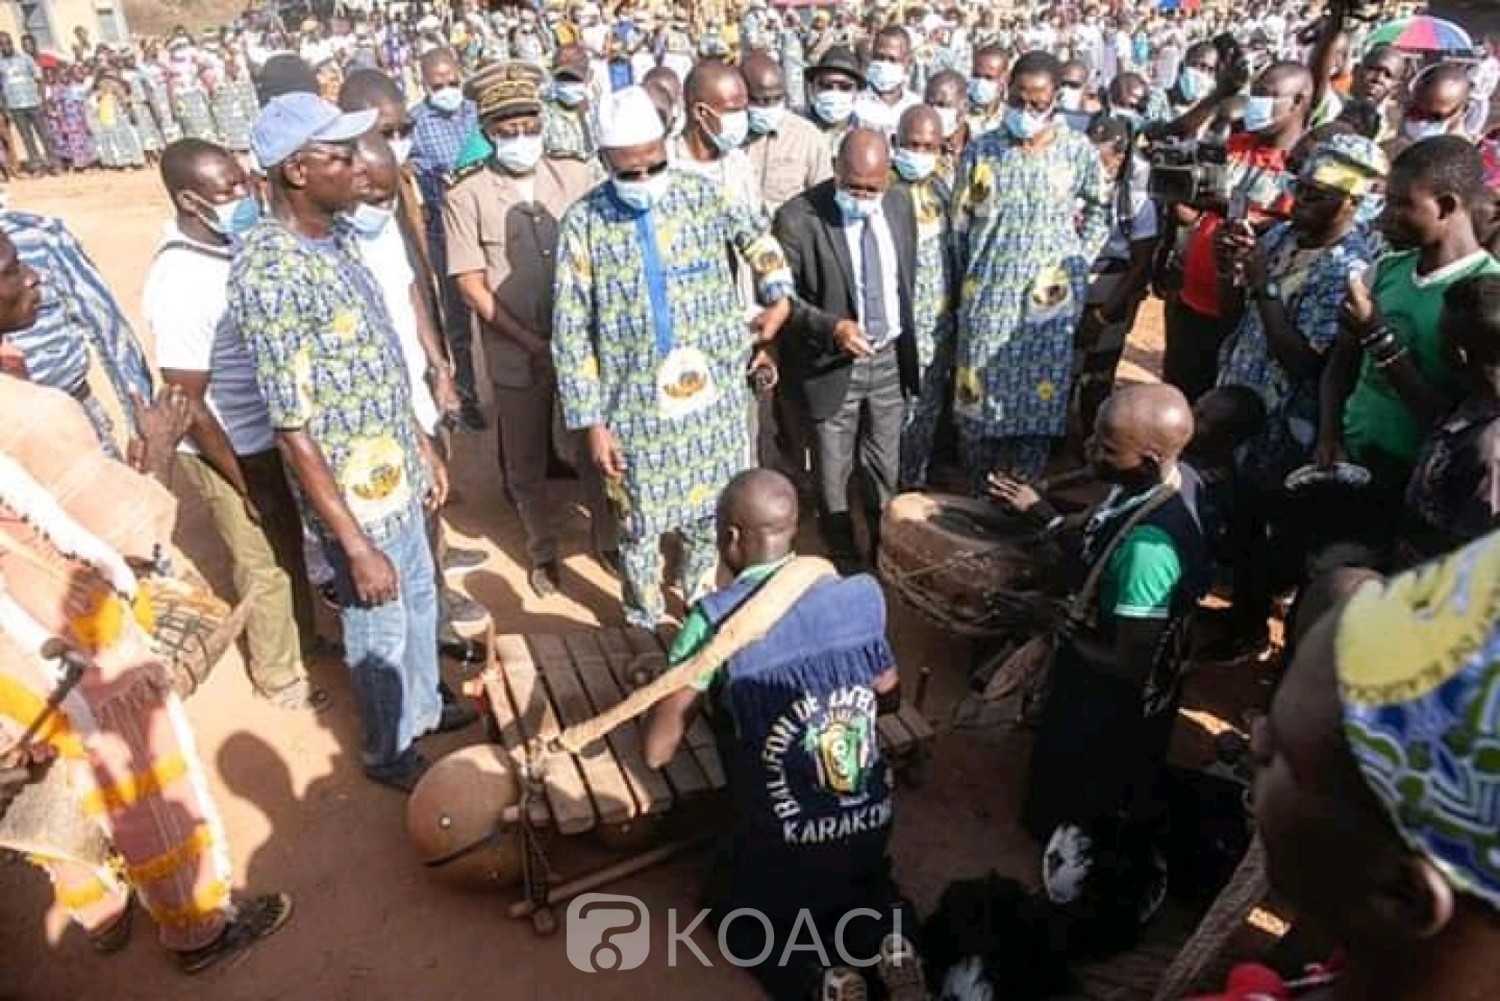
(855, 209)
(234, 218)
(913, 166)
(447, 99)
(570, 93)
(833, 106)
(983, 92)
(1129, 116)
(1025, 124)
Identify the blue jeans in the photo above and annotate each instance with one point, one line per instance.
(391, 649)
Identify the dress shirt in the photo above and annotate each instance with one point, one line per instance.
(889, 270)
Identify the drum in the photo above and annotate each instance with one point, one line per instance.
(968, 566)
(193, 628)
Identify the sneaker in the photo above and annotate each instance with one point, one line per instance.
(901, 970)
(459, 560)
(255, 919)
(301, 696)
(544, 579)
(472, 418)
(843, 984)
(462, 609)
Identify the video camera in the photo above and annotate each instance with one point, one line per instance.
(1186, 172)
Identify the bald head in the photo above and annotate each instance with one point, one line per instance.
(762, 72)
(756, 519)
(1140, 433)
(185, 162)
(920, 129)
(712, 83)
(864, 151)
(1440, 94)
(439, 69)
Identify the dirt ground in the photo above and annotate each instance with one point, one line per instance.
(369, 923)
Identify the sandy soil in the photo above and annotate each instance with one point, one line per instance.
(369, 923)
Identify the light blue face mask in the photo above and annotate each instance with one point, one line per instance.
(1025, 124)
(234, 218)
(447, 99)
(570, 93)
(833, 106)
(1416, 131)
(369, 220)
(1260, 112)
(642, 196)
(855, 209)
(765, 120)
(1195, 84)
(983, 92)
(885, 76)
(913, 166)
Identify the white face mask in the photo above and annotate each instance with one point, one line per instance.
(518, 154)
(764, 121)
(885, 76)
(1416, 131)
(401, 150)
(734, 127)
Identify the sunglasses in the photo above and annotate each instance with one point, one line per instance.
(643, 173)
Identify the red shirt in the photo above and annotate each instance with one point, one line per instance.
(1268, 198)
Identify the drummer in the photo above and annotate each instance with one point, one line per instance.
(1108, 716)
(795, 719)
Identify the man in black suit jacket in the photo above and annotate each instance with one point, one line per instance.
(848, 352)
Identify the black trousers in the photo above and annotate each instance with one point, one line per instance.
(1191, 359)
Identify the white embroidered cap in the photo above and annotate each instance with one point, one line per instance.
(628, 118)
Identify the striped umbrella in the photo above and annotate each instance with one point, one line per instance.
(1423, 34)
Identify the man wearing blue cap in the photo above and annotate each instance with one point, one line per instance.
(329, 366)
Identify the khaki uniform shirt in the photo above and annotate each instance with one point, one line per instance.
(494, 228)
(789, 160)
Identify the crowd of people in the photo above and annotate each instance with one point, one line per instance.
(727, 268)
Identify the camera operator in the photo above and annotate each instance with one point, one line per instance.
(1275, 117)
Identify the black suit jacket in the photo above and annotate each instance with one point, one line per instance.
(811, 230)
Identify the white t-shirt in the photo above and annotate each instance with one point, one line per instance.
(184, 304)
(385, 256)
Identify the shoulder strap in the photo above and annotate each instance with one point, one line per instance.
(191, 248)
(1083, 601)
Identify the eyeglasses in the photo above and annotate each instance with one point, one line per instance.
(642, 174)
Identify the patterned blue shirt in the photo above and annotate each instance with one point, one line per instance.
(20, 82)
(77, 313)
(436, 142)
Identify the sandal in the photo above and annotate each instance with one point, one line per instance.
(255, 919)
(116, 935)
